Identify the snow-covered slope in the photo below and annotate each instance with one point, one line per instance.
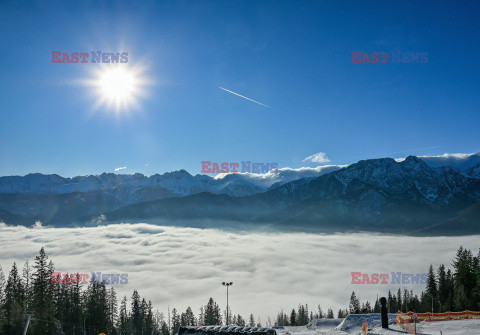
(323, 324)
(352, 325)
(374, 180)
(461, 162)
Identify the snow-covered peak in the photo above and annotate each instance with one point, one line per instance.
(278, 176)
(460, 161)
(394, 174)
(178, 182)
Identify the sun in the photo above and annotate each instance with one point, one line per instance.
(118, 86)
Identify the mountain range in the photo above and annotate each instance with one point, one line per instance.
(436, 195)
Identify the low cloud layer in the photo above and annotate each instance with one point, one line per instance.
(183, 267)
(120, 168)
(282, 175)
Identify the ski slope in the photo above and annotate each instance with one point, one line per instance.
(352, 325)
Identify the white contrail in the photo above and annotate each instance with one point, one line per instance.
(244, 97)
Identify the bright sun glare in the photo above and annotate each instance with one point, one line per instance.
(119, 89)
(117, 85)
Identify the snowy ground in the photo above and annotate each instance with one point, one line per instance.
(454, 327)
(352, 325)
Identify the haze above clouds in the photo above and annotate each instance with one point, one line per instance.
(183, 267)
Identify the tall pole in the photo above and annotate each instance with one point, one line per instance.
(227, 284)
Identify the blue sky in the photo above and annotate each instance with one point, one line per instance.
(291, 55)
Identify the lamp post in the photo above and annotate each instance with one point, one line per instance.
(227, 285)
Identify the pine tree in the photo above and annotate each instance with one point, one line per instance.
(42, 295)
(393, 302)
(330, 314)
(405, 300)
(377, 307)
(14, 300)
(112, 309)
(442, 289)
(175, 321)
(63, 303)
(320, 314)
(282, 319)
(143, 313)
(293, 318)
(135, 313)
(77, 308)
(164, 329)
(465, 279)
(302, 315)
(123, 317)
(190, 317)
(241, 321)
(58, 302)
(251, 321)
(450, 291)
(96, 313)
(390, 303)
(212, 314)
(354, 306)
(414, 302)
(399, 300)
(432, 289)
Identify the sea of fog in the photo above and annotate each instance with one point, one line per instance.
(180, 266)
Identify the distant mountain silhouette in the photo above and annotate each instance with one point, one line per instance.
(384, 195)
